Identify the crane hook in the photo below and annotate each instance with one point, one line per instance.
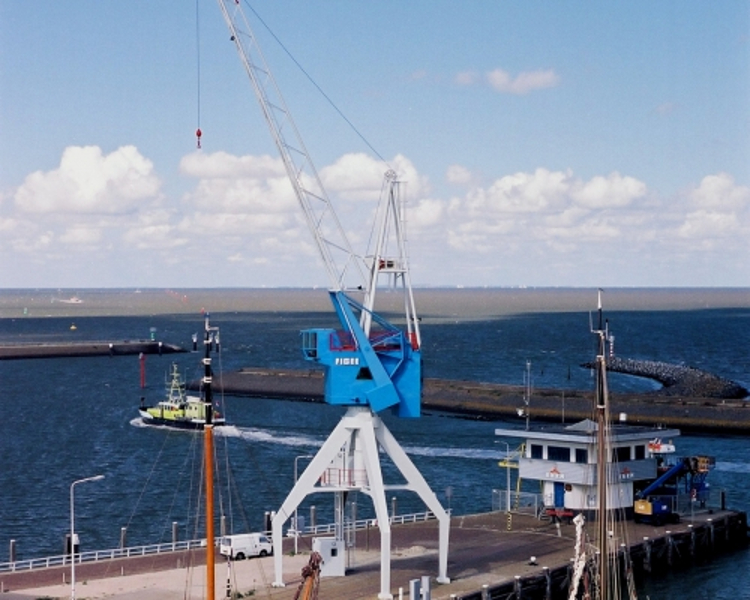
(198, 134)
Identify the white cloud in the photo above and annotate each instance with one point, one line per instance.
(355, 176)
(457, 174)
(425, 213)
(703, 224)
(523, 83)
(720, 192)
(81, 235)
(224, 165)
(611, 191)
(89, 182)
(528, 211)
(241, 220)
(8, 225)
(244, 195)
(520, 193)
(467, 78)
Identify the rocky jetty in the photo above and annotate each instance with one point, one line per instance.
(481, 400)
(81, 349)
(679, 380)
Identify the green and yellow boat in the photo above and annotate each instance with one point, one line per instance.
(179, 409)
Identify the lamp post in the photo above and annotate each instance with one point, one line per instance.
(507, 477)
(296, 526)
(73, 533)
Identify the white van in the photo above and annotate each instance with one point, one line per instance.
(245, 545)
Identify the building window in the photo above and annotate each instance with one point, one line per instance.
(558, 453)
(582, 455)
(536, 451)
(621, 454)
(640, 452)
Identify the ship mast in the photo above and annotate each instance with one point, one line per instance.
(602, 423)
(208, 459)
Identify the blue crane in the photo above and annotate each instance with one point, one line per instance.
(370, 365)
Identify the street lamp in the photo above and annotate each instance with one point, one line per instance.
(296, 526)
(73, 533)
(507, 477)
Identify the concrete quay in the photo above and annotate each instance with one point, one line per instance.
(485, 550)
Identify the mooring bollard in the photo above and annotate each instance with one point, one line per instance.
(426, 588)
(670, 544)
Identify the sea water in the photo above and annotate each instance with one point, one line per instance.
(70, 418)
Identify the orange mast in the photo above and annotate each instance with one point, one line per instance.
(208, 458)
(208, 442)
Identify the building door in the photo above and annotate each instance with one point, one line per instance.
(559, 494)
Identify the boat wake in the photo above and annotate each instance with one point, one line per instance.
(138, 422)
(470, 453)
(732, 467)
(268, 436)
(253, 434)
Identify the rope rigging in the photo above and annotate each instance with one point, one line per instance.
(327, 98)
(198, 132)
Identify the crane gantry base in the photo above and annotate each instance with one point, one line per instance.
(354, 445)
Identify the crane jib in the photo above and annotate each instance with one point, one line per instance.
(371, 363)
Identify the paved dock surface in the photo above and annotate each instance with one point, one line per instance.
(482, 551)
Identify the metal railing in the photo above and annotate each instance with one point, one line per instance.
(526, 503)
(98, 555)
(151, 549)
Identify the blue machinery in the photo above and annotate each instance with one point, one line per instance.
(370, 365)
(382, 371)
(656, 502)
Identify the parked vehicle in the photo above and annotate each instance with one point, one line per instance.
(245, 545)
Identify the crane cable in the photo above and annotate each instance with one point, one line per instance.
(198, 132)
(317, 87)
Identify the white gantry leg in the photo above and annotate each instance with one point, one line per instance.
(354, 446)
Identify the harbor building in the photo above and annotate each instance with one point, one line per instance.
(563, 459)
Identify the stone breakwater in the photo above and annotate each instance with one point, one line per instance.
(82, 349)
(678, 380)
(481, 400)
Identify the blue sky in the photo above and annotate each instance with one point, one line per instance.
(544, 143)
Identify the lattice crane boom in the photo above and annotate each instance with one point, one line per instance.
(369, 362)
(324, 225)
